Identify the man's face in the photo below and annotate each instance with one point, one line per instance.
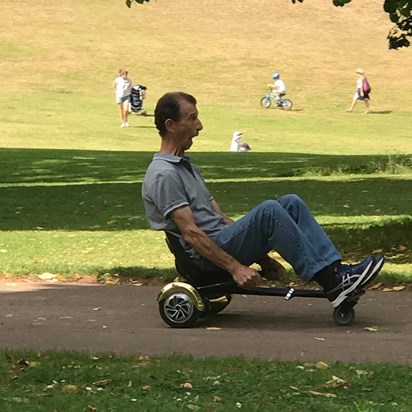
(188, 126)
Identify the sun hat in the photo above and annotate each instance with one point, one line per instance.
(237, 134)
(360, 71)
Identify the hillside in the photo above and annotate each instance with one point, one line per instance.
(60, 58)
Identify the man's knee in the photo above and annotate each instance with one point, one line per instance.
(286, 202)
(269, 205)
(290, 199)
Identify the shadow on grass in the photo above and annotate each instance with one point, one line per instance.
(83, 166)
(90, 190)
(127, 273)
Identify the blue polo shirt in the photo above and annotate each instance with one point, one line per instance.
(172, 182)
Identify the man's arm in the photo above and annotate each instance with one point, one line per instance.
(242, 275)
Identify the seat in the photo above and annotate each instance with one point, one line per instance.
(188, 269)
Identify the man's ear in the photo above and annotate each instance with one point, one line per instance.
(170, 125)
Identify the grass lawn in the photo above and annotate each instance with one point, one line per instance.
(70, 178)
(31, 381)
(71, 212)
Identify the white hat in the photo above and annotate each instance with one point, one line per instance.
(237, 134)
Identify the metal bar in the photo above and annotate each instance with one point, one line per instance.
(260, 291)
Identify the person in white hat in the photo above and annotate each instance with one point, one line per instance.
(362, 91)
(234, 145)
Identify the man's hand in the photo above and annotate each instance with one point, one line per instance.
(272, 269)
(245, 276)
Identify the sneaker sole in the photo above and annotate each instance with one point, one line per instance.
(374, 272)
(346, 292)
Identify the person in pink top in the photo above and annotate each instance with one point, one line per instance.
(362, 91)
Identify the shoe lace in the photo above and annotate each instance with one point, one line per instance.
(346, 274)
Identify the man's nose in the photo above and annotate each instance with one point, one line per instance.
(200, 126)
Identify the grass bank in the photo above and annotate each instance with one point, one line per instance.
(70, 177)
(32, 381)
(71, 212)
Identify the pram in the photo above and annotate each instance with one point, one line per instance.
(137, 95)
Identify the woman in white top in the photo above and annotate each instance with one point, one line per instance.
(122, 87)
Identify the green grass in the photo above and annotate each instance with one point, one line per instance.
(71, 212)
(70, 177)
(31, 381)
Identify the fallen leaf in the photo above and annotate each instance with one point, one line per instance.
(186, 385)
(336, 382)
(46, 276)
(372, 328)
(320, 338)
(401, 248)
(216, 398)
(325, 394)
(91, 408)
(376, 286)
(70, 388)
(147, 388)
(387, 290)
(321, 365)
(295, 388)
(102, 383)
(398, 288)
(213, 328)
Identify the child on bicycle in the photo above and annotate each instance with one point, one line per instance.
(278, 86)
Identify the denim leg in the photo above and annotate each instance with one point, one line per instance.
(286, 226)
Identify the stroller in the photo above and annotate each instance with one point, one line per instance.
(137, 95)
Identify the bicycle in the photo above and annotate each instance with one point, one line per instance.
(284, 104)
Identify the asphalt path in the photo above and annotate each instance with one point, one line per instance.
(124, 319)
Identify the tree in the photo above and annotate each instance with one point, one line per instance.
(400, 13)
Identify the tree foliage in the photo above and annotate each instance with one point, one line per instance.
(400, 13)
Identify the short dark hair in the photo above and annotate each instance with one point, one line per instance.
(168, 107)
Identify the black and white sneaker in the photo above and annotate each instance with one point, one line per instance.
(350, 278)
(379, 260)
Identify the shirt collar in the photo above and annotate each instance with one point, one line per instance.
(170, 158)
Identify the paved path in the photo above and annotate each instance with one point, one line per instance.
(125, 319)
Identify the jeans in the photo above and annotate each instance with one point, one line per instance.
(285, 225)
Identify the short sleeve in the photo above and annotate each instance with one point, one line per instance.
(168, 192)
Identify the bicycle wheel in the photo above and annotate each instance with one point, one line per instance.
(287, 104)
(265, 102)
